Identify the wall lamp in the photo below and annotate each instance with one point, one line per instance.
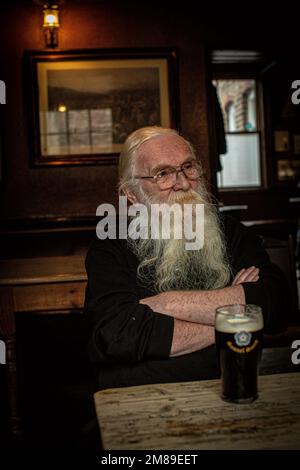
(51, 23)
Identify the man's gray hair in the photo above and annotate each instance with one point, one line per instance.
(131, 145)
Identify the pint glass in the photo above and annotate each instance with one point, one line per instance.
(239, 334)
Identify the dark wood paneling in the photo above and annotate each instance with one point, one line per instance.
(76, 191)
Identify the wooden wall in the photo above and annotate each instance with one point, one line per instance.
(27, 192)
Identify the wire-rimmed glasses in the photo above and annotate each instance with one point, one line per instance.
(167, 177)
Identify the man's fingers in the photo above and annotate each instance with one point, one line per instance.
(250, 274)
(242, 274)
(246, 275)
(238, 276)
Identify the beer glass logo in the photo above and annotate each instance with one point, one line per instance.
(242, 338)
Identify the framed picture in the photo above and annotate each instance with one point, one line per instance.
(284, 170)
(83, 104)
(281, 141)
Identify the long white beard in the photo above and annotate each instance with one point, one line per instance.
(167, 265)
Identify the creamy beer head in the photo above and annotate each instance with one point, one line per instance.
(234, 318)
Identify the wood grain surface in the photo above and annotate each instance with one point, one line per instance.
(191, 415)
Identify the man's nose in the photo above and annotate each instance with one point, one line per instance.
(182, 183)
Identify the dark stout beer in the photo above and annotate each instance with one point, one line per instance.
(239, 334)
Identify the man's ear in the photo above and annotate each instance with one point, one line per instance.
(130, 195)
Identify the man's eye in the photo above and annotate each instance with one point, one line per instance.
(188, 165)
(163, 173)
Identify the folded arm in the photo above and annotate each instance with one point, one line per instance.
(200, 306)
(195, 306)
(189, 337)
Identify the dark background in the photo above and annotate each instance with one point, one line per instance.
(67, 197)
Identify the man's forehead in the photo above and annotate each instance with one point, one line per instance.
(166, 149)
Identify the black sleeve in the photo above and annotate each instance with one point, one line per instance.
(121, 328)
(271, 292)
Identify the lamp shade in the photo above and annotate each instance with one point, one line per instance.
(51, 16)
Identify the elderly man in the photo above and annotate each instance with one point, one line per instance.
(151, 302)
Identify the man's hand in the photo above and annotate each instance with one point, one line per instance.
(246, 275)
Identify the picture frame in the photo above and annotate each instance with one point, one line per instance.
(281, 141)
(83, 104)
(284, 170)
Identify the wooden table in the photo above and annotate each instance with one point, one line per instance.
(191, 415)
(42, 285)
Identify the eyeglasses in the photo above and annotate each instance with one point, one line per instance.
(167, 177)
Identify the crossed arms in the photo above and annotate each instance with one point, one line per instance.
(125, 329)
(193, 327)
